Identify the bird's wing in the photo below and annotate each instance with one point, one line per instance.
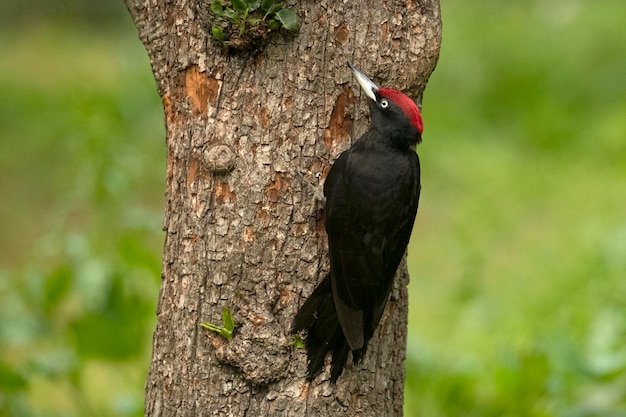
(365, 212)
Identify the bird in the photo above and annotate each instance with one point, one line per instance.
(372, 193)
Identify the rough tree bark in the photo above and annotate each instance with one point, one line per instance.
(250, 137)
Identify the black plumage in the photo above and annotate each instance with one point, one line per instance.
(372, 193)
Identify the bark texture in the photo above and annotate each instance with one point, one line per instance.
(250, 137)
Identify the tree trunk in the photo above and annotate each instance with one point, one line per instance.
(250, 137)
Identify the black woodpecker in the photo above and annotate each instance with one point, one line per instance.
(372, 193)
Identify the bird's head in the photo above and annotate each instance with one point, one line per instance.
(394, 114)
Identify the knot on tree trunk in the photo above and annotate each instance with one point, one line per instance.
(219, 159)
(255, 353)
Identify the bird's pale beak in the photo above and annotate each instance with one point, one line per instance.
(366, 84)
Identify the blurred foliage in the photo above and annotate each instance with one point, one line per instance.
(518, 258)
(83, 169)
(16, 15)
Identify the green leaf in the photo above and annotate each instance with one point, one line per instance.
(239, 5)
(288, 18)
(271, 11)
(217, 9)
(225, 333)
(253, 4)
(231, 14)
(227, 318)
(211, 327)
(266, 4)
(273, 24)
(298, 343)
(274, 8)
(218, 33)
(229, 325)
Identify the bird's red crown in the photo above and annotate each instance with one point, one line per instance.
(407, 105)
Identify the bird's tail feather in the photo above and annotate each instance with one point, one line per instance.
(317, 318)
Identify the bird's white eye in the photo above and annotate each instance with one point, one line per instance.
(384, 103)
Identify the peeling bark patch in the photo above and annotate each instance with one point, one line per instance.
(169, 177)
(200, 89)
(256, 320)
(320, 225)
(265, 118)
(285, 299)
(248, 235)
(223, 193)
(276, 187)
(261, 214)
(304, 391)
(340, 125)
(354, 398)
(384, 32)
(300, 230)
(192, 171)
(168, 110)
(342, 34)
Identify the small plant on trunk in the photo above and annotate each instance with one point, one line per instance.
(245, 24)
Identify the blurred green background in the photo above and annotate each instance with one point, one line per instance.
(518, 259)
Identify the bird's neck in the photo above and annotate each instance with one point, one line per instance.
(400, 140)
